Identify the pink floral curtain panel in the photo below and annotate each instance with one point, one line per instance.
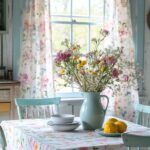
(35, 72)
(118, 21)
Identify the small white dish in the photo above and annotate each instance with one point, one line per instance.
(62, 118)
(64, 127)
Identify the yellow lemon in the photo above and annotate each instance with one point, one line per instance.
(112, 119)
(122, 126)
(110, 127)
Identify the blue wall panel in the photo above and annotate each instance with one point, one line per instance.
(138, 22)
(17, 13)
(16, 36)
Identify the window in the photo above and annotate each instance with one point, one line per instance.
(77, 20)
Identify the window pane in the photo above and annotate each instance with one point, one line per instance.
(80, 7)
(60, 32)
(80, 36)
(60, 7)
(59, 87)
(97, 8)
(94, 33)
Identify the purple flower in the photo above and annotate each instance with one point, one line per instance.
(115, 73)
(63, 56)
(106, 32)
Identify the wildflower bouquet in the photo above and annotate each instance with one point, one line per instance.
(95, 70)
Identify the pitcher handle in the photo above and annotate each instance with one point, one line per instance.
(107, 102)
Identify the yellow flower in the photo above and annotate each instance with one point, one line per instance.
(83, 62)
(79, 66)
(94, 73)
(75, 57)
(74, 48)
(102, 68)
(62, 71)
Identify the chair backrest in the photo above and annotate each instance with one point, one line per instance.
(138, 141)
(2, 139)
(143, 115)
(36, 108)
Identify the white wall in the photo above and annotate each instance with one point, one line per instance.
(147, 54)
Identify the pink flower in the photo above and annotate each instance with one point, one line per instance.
(24, 78)
(44, 81)
(106, 32)
(42, 44)
(115, 73)
(126, 78)
(27, 56)
(42, 27)
(110, 60)
(63, 56)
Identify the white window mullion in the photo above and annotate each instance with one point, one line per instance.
(89, 30)
(71, 35)
(71, 38)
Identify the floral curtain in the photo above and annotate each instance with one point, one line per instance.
(35, 70)
(118, 21)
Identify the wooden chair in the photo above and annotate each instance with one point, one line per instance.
(143, 115)
(2, 139)
(36, 108)
(138, 141)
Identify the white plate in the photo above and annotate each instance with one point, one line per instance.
(62, 119)
(64, 127)
(101, 132)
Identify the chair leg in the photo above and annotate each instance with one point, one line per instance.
(129, 148)
(2, 139)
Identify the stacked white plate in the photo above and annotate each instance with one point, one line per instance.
(64, 122)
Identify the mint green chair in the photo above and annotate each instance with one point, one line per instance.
(143, 115)
(137, 141)
(36, 108)
(2, 139)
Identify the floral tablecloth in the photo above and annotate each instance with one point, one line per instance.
(35, 134)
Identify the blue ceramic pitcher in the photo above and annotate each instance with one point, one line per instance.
(92, 113)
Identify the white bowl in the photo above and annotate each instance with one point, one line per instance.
(64, 127)
(62, 119)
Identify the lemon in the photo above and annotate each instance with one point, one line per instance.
(122, 126)
(110, 127)
(112, 120)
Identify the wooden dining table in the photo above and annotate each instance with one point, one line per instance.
(35, 134)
